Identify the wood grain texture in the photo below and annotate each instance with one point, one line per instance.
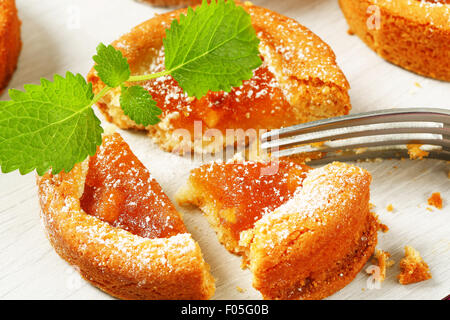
(54, 42)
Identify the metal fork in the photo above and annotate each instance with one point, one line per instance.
(376, 134)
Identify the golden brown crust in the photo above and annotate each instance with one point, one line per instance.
(10, 43)
(120, 263)
(312, 245)
(316, 243)
(302, 63)
(412, 34)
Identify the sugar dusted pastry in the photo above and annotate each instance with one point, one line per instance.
(112, 220)
(304, 233)
(299, 81)
(414, 34)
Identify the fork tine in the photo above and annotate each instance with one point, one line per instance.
(399, 152)
(378, 131)
(373, 117)
(357, 131)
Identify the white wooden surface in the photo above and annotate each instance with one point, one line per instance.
(62, 35)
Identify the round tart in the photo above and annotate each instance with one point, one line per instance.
(10, 43)
(304, 233)
(298, 81)
(112, 220)
(414, 34)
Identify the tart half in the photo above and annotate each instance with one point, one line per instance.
(304, 233)
(111, 219)
(299, 81)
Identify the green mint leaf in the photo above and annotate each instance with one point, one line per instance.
(48, 126)
(113, 69)
(212, 48)
(138, 104)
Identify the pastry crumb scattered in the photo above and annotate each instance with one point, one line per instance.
(240, 290)
(435, 200)
(384, 228)
(418, 85)
(381, 259)
(412, 267)
(415, 152)
(390, 207)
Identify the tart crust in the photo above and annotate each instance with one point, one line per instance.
(10, 42)
(122, 264)
(414, 34)
(312, 245)
(305, 77)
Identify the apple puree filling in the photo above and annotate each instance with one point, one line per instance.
(121, 191)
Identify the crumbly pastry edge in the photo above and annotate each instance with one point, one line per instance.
(120, 263)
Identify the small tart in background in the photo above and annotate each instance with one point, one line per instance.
(10, 41)
(304, 233)
(299, 81)
(112, 220)
(413, 34)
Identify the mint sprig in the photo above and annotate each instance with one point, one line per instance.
(48, 126)
(53, 126)
(111, 67)
(221, 54)
(138, 104)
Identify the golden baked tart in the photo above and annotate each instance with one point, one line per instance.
(414, 34)
(10, 43)
(111, 219)
(298, 81)
(304, 233)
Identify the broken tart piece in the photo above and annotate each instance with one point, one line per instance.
(299, 81)
(304, 233)
(111, 219)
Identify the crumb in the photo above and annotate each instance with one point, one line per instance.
(384, 228)
(371, 206)
(430, 209)
(350, 32)
(418, 85)
(412, 267)
(317, 145)
(435, 200)
(395, 167)
(390, 208)
(382, 260)
(240, 290)
(415, 152)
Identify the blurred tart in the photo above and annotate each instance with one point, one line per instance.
(414, 34)
(298, 81)
(10, 43)
(111, 219)
(304, 233)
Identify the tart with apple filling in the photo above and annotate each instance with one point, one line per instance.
(298, 81)
(111, 219)
(304, 233)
